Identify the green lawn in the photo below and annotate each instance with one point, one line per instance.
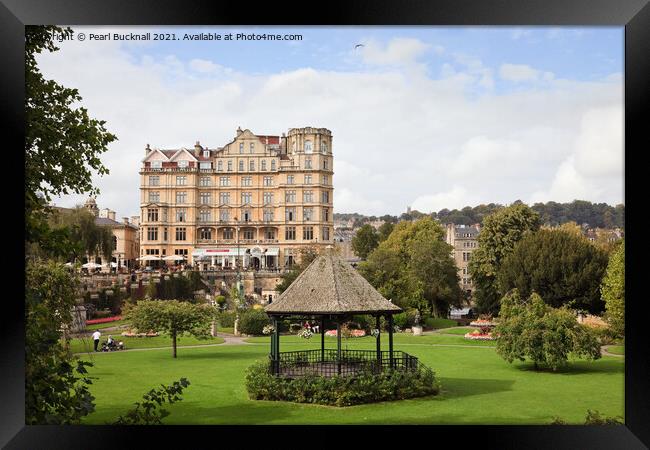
(458, 330)
(616, 349)
(478, 387)
(440, 323)
(99, 326)
(79, 345)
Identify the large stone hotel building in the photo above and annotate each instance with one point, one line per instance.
(258, 200)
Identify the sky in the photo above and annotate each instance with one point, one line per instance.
(426, 117)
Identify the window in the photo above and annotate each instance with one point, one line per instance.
(273, 164)
(181, 215)
(205, 181)
(241, 148)
(268, 215)
(246, 198)
(165, 234)
(290, 233)
(152, 215)
(307, 233)
(269, 233)
(252, 148)
(326, 179)
(181, 234)
(246, 215)
(181, 251)
(307, 179)
(326, 233)
(307, 214)
(307, 196)
(205, 165)
(181, 197)
(206, 153)
(241, 165)
(290, 196)
(224, 198)
(205, 198)
(325, 164)
(154, 180)
(154, 196)
(289, 179)
(323, 146)
(268, 181)
(247, 181)
(229, 166)
(181, 181)
(308, 162)
(326, 215)
(326, 197)
(156, 164)
(151, 251)
(204, 215)
(464, 270)
(264, 164)
(248, 234)
(466, 256)
(251, 165)
(268, 198)
(219, 166)
(182, 164)
(152, 233)
(224, 181)
(290, 214)
(228, 233)
(308, 147)
(224, 215)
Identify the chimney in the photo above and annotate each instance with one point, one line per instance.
(197, 149)
(126, 220)
(147, 150)
(111, 214)
(283, 143)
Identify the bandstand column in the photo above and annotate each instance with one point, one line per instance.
(378, 342)
(338, 345)
(390, 339)
(322, 338)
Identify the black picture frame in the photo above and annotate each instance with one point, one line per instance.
(634, 15)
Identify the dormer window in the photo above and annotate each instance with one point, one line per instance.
(182, 164)
(206, 154)
(156, 164)
(308, 147)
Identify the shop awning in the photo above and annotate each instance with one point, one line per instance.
(149, 258)
(272, 251)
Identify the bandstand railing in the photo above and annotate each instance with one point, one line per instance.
(351, 362)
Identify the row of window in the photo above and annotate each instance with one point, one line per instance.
(224, 215)
(205, 198)
(181, 180)
(228, 233)
(242, 165)
(466, 256)
(467, 244)
(177, 251)
(308, 146)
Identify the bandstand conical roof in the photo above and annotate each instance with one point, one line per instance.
(329, 285)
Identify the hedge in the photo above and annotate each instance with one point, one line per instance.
(339, 391)
(253, 321)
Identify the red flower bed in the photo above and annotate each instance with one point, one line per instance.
(104, 320)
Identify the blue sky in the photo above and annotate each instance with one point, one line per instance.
(427, 117)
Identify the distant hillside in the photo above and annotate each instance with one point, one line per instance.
(596, 215)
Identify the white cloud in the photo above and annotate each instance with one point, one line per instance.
(400, 138)
(518, 72)
(397, 51)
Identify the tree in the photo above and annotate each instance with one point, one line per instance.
(62, 144)
(613, 291)
(561, 266)
(499, 234)
(365, 241)
(56, 385)
(414, 268)
(384, 230)
(530, 329)
(307, 255)
(171, 317)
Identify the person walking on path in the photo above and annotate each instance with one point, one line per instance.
(96, 336)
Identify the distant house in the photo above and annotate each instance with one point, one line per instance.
(461, 313)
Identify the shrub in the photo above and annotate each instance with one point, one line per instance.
(226, 319)
(339, 391)
(295, 327)
(405, 319)
(364, 322)
(101, 314)
(253, 321)
(220, 300)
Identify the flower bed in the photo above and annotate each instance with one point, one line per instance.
(131, 334)
(482, 323)
(353, 333)
(104, 320)
(477, 335)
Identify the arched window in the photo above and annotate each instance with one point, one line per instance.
(308, 147)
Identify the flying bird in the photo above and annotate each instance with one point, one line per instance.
(358, 45)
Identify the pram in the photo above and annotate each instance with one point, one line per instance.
(111, 346)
